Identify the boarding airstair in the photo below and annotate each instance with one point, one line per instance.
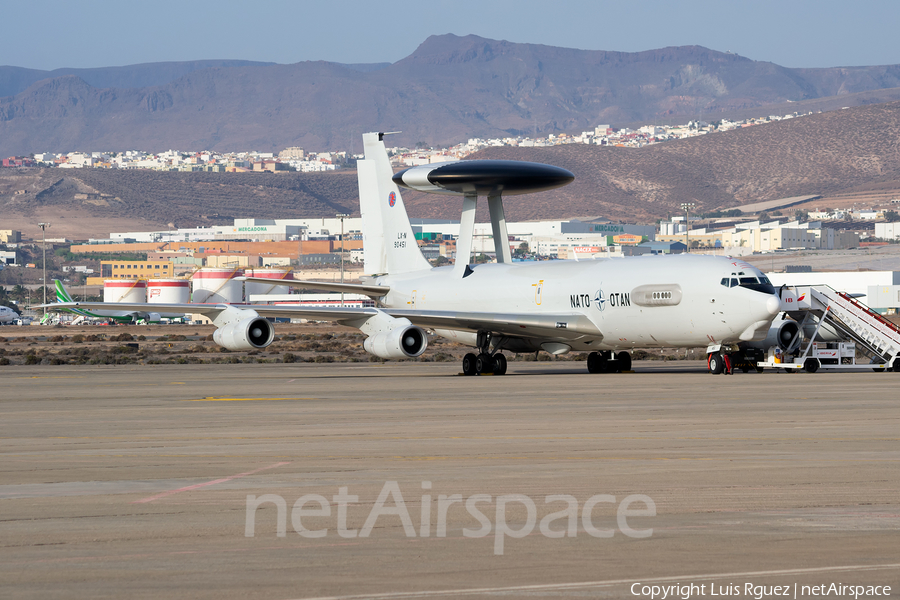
(851, 319)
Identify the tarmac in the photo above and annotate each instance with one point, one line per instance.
(410, 481)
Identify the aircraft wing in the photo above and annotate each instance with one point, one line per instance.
(373, 291)
(564, 326)
(527, 325)
(212, 310)
(133, 307)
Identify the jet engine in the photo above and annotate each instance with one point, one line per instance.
(404, 341)
(783, 334)
(249, 334)
(144, 318)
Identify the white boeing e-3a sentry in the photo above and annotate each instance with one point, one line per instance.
(606, 307)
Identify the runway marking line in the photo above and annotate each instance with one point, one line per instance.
(214, 399)
(208, 483)
(606, 583)
(53, 377)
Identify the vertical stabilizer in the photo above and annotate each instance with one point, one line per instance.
(62, 294)
(389, 245)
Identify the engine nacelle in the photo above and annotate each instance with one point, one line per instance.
(404, 341)
(784, 335)
(249, 334)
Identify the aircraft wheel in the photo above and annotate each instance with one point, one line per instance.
(811, 365)
(469, 364)
(484, 363)
(596, 363)
(716, 363)
(623, 362)
(499, 364)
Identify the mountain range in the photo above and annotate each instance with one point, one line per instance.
(450, 89)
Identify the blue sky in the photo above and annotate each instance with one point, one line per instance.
(52, 34)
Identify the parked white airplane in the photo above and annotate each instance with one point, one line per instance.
(605, 307)
(7, 315)
(105, 312)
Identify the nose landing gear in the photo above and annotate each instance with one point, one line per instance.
(716, 363)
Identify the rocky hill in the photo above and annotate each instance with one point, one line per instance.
(831, 153)
(451, 88)
(15, 80)
(88, 203)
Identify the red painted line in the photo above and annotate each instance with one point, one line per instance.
(213, 482)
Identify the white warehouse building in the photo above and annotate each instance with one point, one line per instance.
(887, 231)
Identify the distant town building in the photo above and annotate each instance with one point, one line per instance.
(10, 236)
(752, 237)
(320, 259)
(132, 269)
(18, 161)
(293, 153)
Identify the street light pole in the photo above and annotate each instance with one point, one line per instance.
(43, 227)
(686, 207)
(341, 216)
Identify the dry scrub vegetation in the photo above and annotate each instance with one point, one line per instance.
(191, 344)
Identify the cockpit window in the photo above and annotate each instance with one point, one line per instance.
(751, 282)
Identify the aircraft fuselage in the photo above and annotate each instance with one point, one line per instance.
(634, 302)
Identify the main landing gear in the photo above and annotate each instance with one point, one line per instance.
(485, 362)
(604, 362)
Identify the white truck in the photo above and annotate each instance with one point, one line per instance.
(821, 355)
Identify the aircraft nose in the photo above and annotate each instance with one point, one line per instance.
(773, 305)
